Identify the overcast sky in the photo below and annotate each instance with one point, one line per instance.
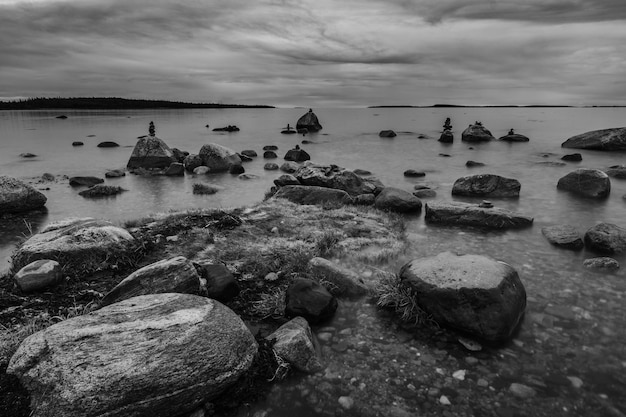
(317, 53)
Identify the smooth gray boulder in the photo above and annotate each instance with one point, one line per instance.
(346, 283)
(590, 183)
(87, 244)
(293, 342)
(150, 152)
(601, 140)
(270, 166)
(39, 275)
(309, 121)
(487, 185)
(465, 214)
(218, 158)
(175, 275)
(333, 176)
(17, 196)
(476, 133)
(303, 194)
(397, 200)
(470, 293)
(157, 355)
(606, 238)
(564, 236)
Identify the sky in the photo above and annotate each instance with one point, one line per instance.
(317, 53)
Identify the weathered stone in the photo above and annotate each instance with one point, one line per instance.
(192, 162)
(270, 148)
(573, 157)
(515, 137)
(39, 275)
(309, 121)
(601, 263)
(115, 173)
(397, 200)
(476, 133)
(270, 166)
(150, 152)
(77, 143)
(617, 171)
(345, 282)
(221, 285)
(244, 158)
(470, 293)
(522, 391)
(88, 243)
(591, 183)
(305, 194)
(286, 179)
(362, 172)
(564, 236)
(364, 200)
(457, 213)
(289, 167)
(157, 355)
(425, 193)
(28, 155)
(486, 185)
(601, 140)
(88, 181)
(101, 190)
(446, 137)
(218, 158)
(176, 169)
(200, 188)
(606, 238)
(332, 176)
(175, 275)
(48, 177)
(236, 169)
(297, 155)
(294, 344)
(247, 176)
(307, 298)
(269, 155)
(387, 134)
(179, 155)
(17, 196)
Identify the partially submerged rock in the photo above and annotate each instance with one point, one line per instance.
(446, 137)
(17, 196)
(470, 293)
(601, 140)
(387, 134)
(201, 188)
(293, 342)
(302, 194)
(397, 200)
(218, 158)
(514, 137)
(601, 263)
(151, 152)
(476, 133)
(606, 238)
(591, 183)
(572, 157)
(564, 236)
(38, 275)
(309, 122)
(88, 181)
(101, 190)
(108, 144)
(297, 155)
(191, 162)
(486, 185)
(158, 355)
(333, 176)
(175, 275)
(344, 281)
(617, 171)
(465, 214)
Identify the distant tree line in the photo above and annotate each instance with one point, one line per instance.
(88, 103)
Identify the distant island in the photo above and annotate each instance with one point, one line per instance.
(103, 103)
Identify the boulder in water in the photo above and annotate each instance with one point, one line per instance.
(464, 214)
(88, 181)
(564, 236)
(309, 299)
(486, 185)
(332, 176)
(591, 183)
(514, 137)
(309, 122)
(297, 155)
(17, 196)
(151, 152)
(218, 158)
(573, 157)
(387, 134)
(108, 144)
(446, 137)
(476, 133)
(191, 162)
(606, 238)
(310, 194)
(397, 200)
(101, 190)
(600, 140)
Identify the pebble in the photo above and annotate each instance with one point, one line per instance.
(470, 360)
(325, 336)
(172, 238)
(460, 375)
(470, 345)
(521, 390)
(346, 402)
(443, 400)
(272, 276)
(576, 382)
(482, 383)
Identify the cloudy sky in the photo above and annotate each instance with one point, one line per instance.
(317, 53)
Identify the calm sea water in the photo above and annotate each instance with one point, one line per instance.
(350, 139)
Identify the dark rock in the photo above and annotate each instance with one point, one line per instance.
(221, 285)
(387, 134)
(564, 236)
(108, 144)
(345, 282)
(244, 158)
(236, 169)
(332, 176)
(573, 157)
(247, 177)
(397, 200)
(515, 137)
(306, 298)
(470, 293)
(288, 131)
(192, 162)
(446, 137)
(249, 153)
(606, 238)
(457, 213)
(179, 155)
(61, 117)
(218, 158)
(205, 189)
(228, 128)
(158, 355)
(486, 185)
(414, 173)
(286, 179)
(617, 171)
(591, 183)
(46, 176)
(289, 167)
(269, 155)
(374, 184)
(602, 263)
(115, 173)
(101, 190)
(309, 122)
(270, 148)
(17, 196)
(425, 193)
(297, 155)
(601, 140)
(88, 181)
(176, 169)
(293, 342)
(472, 164)
(39, 275)
(364, 200)
(310, 194)
(362, 172)
(445, 155)
(175, 275)
(28, 155)
(476, 133)
(270, 166)
(77, 143)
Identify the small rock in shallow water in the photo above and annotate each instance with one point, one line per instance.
(521, 390)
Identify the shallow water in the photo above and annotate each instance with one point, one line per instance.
(574, 327)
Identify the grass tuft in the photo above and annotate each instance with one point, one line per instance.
(393, 294)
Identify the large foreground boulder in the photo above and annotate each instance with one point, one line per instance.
(606, 238)
(176, 275)
(17, 196)
(476, 133)
(333, 176)
(470, 293)
(601, 140)
(151, 152)
(487, 185)
(157, 355)
(465, 214)
(302, 194)
(218, 158)
(309, 122)
(397, 200)
(83, 244)
(591, 183)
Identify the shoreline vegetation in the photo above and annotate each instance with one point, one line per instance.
(113, 103)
